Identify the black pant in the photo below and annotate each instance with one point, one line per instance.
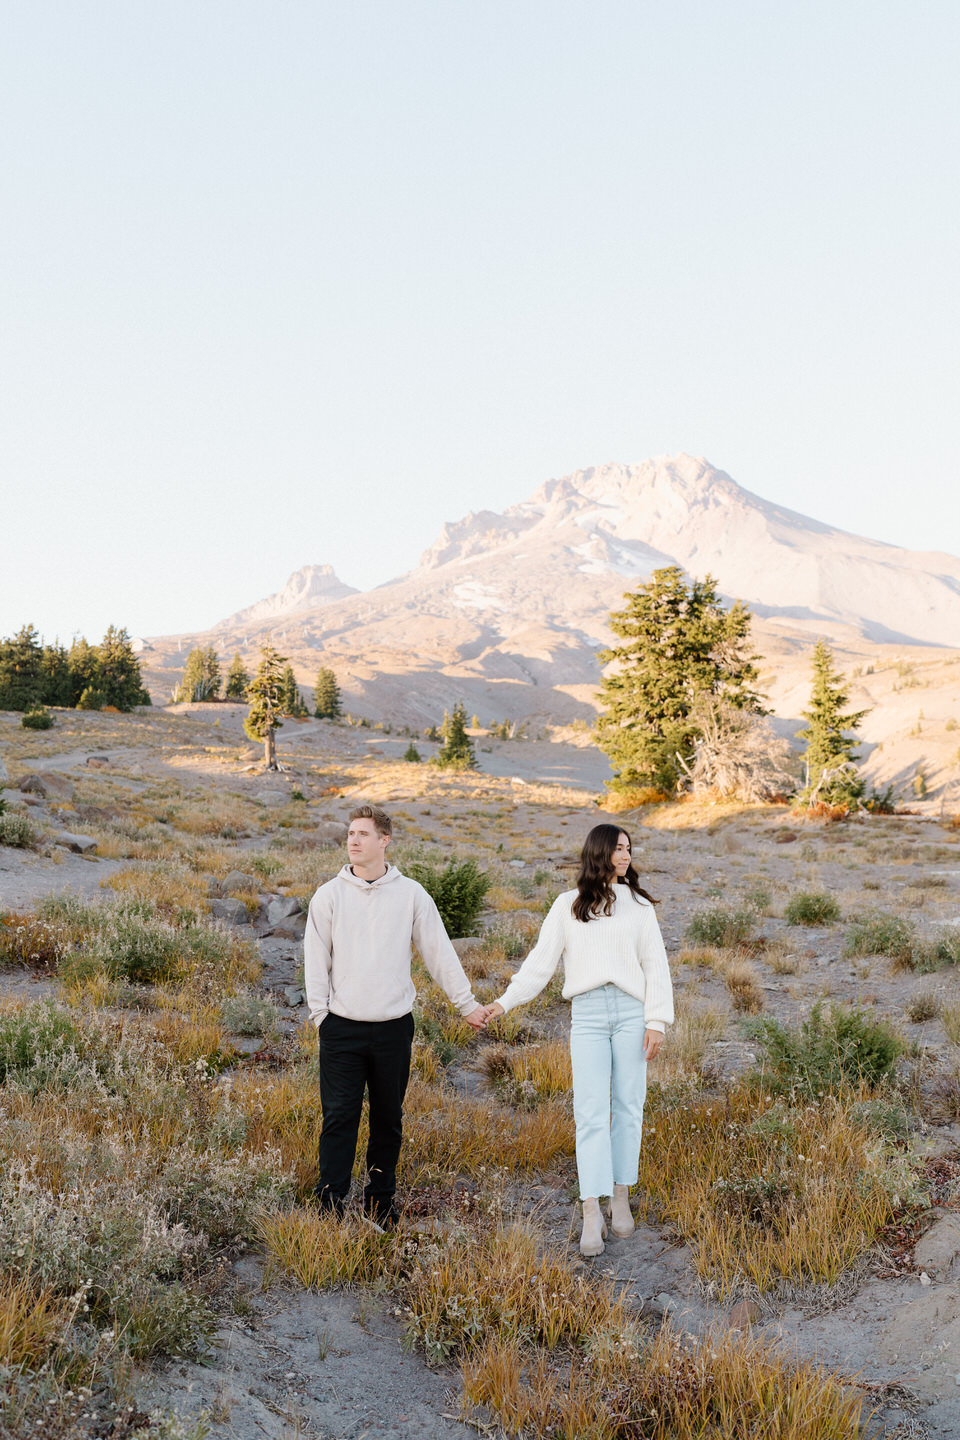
(357, 1055)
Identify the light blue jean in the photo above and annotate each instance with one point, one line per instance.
(609, 1087)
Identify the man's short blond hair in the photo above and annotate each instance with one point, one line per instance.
(382, 822)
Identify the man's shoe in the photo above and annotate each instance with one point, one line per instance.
(330, 1204)
(386, 1216)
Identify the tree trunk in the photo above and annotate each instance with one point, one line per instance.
(270, 749)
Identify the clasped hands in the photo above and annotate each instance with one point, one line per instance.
(481, 1017)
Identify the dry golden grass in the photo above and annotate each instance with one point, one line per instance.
(688, 1040)
(447, 1133)
(742, 980)
(545, 1066)
(765, 1196)
(32, 1322)
(283, 1113)
(189, 1038)
(502, 1285)
(171, 887)
(321, 1250)
(950, 1020)
(724, 1388)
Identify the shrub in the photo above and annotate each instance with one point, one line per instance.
(247, 1014)
(412, 754)
(829, 1053)
(33, 1039)
(91, 699)
(721, 926)
(945, 949)
(38, 719)
(812, 907)
(16, 831)
(881, 934)
(458, 890)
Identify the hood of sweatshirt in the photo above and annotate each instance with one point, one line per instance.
(347, 874)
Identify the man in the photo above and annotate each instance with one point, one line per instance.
(360, 993)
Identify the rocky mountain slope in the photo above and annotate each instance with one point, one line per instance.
(508, 610)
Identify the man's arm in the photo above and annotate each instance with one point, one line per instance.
(318, 956)
(442, 961)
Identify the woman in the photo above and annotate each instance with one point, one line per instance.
(617, 977)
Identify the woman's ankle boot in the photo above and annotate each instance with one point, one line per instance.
(621, 1216)
(594, 1231)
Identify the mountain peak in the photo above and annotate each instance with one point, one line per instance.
(309, 586)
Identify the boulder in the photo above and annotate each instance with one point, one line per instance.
(331, 832)
(294, 997)
(48, 784)
(272, 797)
(79, 844)
(785, 837)
(237, 880)
(467, 943)
(99, 762)
(744, 1314)
(233, 911)
(938, 1252)
(292, 929)
(282, 908)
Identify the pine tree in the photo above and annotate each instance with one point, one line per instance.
(457, 751)
(83, 665)
(237, 680)
(265, 694)
(201, 676)
(680, 644)
(831, 753)
(292, 703)
(326, 695)
(118, 671)
(55, 669)
(21, 670)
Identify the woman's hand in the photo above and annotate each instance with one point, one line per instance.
(494, 1010)
(652, 1041)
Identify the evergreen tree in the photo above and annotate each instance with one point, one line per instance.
(83, 665)
(201, 676)
(457, 751)
(292, 703)
(21, 670)
(412, 754)
(265, 694)
(237, 680)
(118, 671)
(830, 754)
(55, 669)
(680, 644)
(326, 695)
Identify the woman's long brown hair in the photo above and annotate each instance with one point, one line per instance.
(596, 895)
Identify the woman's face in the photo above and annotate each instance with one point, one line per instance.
(621, 856)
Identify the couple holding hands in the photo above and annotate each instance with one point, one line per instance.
(360, 994)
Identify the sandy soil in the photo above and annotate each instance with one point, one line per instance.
(272, 1376)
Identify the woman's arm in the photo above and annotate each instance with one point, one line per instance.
(540, 964)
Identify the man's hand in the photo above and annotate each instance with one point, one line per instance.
(494, 1010)
(477, 1018)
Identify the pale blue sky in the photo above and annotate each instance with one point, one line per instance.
(285, 283)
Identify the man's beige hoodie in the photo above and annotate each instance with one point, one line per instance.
(356, 949)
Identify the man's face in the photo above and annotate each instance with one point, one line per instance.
(366, 847)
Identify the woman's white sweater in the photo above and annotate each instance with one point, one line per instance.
(624, 948)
